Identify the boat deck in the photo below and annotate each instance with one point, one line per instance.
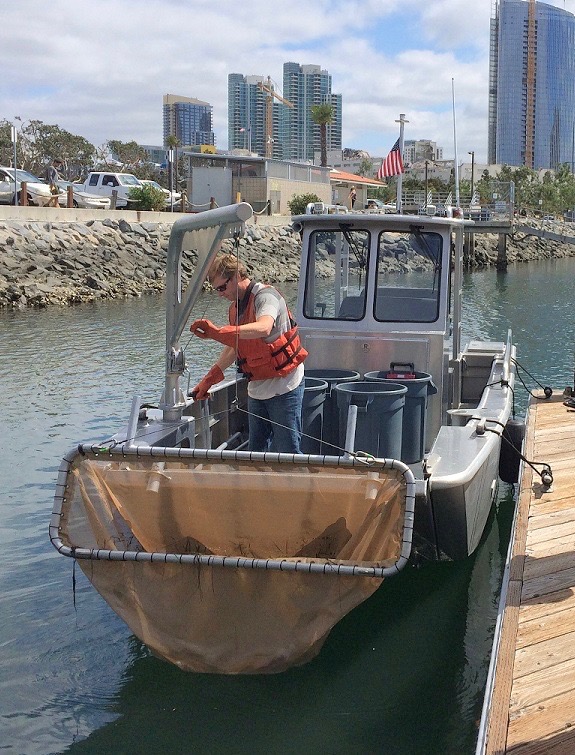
(533, 697)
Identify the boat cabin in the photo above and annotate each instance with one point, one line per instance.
(375, 291)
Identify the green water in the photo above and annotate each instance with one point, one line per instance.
(403, 674)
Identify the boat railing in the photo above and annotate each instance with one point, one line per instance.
(507, 358)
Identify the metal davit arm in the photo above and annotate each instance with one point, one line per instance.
(209, 229)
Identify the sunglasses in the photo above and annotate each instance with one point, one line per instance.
(223, 287)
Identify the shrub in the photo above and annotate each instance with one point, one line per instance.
(147, 197)
(298, 202)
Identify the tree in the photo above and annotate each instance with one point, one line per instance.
(129, 154)
(39, 143)
(322, 115)
(147, 197)
(299, 202)
(365, 167)
(6, 146)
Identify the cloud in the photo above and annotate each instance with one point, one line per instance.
(100, 68)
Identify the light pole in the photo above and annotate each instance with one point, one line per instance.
(426, 184)
(472, 153)
(14, 138)
(171, 176)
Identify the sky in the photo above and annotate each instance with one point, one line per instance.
(100, 68)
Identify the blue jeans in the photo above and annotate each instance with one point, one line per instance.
(283, 433)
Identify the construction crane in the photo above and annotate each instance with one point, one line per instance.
(271, 93)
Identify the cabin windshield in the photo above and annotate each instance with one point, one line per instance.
(336, 274)
(408, 276)
(407, 271)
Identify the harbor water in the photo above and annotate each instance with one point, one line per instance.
(403, 674)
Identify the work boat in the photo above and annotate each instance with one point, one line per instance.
(224, 560)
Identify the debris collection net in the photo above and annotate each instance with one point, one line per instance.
(232, 620)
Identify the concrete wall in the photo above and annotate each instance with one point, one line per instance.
(71, 215)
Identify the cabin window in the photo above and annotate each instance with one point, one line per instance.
(336, 274)
(408, 276)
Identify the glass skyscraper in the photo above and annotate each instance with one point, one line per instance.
(247, 115)
(188, 119)
(532, 85)
(305, 86)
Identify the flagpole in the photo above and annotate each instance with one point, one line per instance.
(456, 161)
(398, 203)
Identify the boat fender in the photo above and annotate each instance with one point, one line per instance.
(511, 444)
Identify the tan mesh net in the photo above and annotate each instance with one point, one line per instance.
(232, 620)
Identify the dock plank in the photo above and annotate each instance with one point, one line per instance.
(532, 731)
(550, 652)
(545, 627)
(540, 685)
(548, 583)
(543, 562)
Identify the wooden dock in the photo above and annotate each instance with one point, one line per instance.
(530, 707)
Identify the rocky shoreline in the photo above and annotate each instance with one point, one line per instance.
(44, 263)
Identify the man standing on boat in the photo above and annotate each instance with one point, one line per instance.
(263, 338)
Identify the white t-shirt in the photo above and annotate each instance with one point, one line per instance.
(270, 302)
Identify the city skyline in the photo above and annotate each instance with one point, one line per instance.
(101, 70)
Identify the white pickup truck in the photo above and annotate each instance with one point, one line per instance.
(105, 184)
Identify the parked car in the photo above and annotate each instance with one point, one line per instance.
(38, 192)
(379, 206)
(176, 195)
(105, 183)
(81, 198)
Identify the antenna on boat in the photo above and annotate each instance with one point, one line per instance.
(455, 158)
(398, 204)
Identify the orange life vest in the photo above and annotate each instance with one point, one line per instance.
(260, 360)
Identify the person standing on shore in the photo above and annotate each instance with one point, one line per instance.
(52, 178)
(263, 338)
(352, 197)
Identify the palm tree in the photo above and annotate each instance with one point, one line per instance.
(323, 116)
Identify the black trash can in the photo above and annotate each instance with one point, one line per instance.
(331, 445)
(379, 416)
(312, 415)
(419, 387)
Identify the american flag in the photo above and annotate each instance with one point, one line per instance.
(392, 165)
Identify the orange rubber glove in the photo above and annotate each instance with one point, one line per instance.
(201, 391)
(206, 329)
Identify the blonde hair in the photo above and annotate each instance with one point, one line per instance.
(225, 266)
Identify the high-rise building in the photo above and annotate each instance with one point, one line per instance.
(304, 86)
(246, 113)
(416, 150)
(531, 85)
(188, 119)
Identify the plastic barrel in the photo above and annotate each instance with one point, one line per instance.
(415, 412)
(379, 416)
(312, 415)
(330, 410)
